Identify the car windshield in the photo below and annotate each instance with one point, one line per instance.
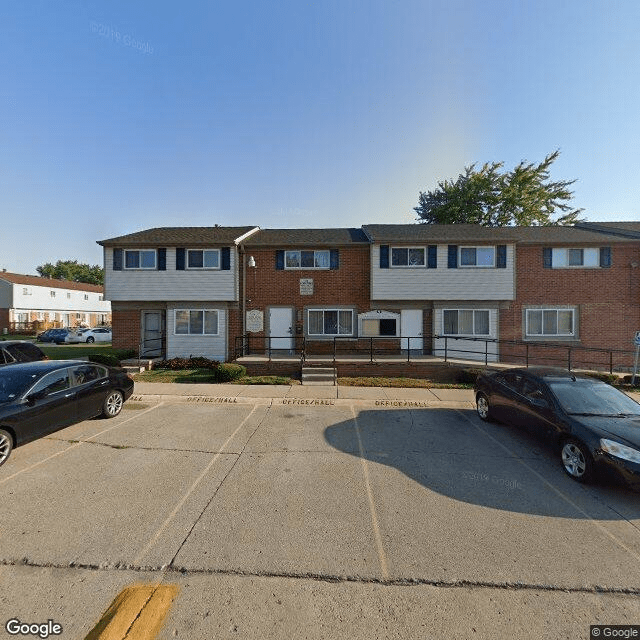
(14, 383)
(592, 398)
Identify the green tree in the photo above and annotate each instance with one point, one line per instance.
(72, 270)
(495, 198)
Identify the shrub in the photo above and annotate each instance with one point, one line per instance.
(212, 370)
(226, 372)
(125, 354)
(467, 376)
(180, 364)
(604, 377)
(104, 358)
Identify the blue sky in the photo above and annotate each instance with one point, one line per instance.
(122, 116)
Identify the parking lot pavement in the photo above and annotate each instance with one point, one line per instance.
(314, 516)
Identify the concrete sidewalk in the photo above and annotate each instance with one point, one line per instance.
(329, 392)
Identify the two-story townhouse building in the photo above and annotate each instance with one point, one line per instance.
(448, 281)
(575, 287)
(175, 291)
(27, 301)
(311, 283)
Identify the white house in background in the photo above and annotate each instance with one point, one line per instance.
(444, 280)
(25, 300)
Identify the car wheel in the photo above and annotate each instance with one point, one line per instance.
(6, 445)
(112, 404)
(576, 460)
(483, 408)
(90, 339)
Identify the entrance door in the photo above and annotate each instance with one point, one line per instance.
(281, 327)
(152, 333)
(411, 327)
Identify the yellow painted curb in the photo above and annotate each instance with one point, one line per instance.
(137, 613)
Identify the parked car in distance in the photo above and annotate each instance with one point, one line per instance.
(37, 398)
(46, 336)
(12, 351)
(99, 334)
(593, 425)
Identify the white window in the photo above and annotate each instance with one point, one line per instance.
(550, 322)
(140, 259)
(26, 291)
(68, 296)
(407, 256)
(589, 257)
(196, 322)
(465, 322)
(101, 297)
(330, 322)
(477, 257)
(52, 293)
(306, 259)
(86, 296)
(203, 259)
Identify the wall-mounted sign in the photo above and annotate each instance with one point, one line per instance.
(306, 286)
(255, 321)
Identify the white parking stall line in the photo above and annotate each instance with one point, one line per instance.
(77, 444)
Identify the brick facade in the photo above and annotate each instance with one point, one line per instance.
(606, 300)
(126, 328)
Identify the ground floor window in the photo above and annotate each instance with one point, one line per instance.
(550, 322)
(466, 322)
(330, 322)
(196, 322)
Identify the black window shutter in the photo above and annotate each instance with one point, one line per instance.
(452, 257)
(117, 259)
(605, 256)
(384, 256)
(180, 259)
(334, 259)
(432, 257)
(279, 259)
(225, 258)
(162, 259)
(546, 257)
(501, 256)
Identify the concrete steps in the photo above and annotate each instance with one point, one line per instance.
(319, 375)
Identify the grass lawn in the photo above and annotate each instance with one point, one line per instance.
(73, 351)
(205, 375)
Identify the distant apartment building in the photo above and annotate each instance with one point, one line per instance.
(31, 302)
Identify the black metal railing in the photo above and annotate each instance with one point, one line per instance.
(152, 348)
(484, 350)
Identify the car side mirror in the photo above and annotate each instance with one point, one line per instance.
(540, 402)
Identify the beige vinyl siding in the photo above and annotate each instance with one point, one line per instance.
(209, 346)
(463, 283)
(130, 284)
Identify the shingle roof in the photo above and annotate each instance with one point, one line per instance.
(306, 237)
(179, 236)
(51, 283)
(455, 233)
(625, 229)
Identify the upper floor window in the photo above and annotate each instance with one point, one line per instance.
(589, 257)
(52, 293)
(100, 297)
(307, 259)
(203, 259)
(140, 259)
(477, 256)
(68, 296)
(86, 296)
(26, 291)
(407, 256)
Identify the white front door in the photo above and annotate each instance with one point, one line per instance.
(411, 327)
(281, 327)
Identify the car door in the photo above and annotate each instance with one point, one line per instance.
(534, 410)
(505, 395)
(91, 384)
(49, 405)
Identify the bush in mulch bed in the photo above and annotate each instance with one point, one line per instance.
(215, 371)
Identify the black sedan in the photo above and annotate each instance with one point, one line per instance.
(37, 398)
(593, 424)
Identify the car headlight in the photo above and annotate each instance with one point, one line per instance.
(620, 450)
